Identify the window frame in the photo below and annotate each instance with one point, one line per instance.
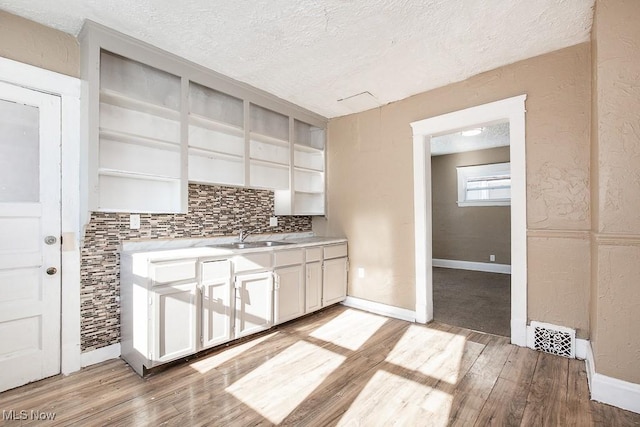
(465, 173)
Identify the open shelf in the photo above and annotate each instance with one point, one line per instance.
(113, 97)
(135, 175)
(129, 138)
(269, 163)
(268, 139)
(215, 125)
(215, 154)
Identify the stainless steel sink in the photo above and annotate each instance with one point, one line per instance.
(248, 245)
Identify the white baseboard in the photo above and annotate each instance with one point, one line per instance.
(100, 355)
(611, 391)
(582, 347)
(488, 267)
(379, 308)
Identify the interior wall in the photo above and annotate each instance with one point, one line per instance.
(469, 233)
(616, 229)
(35, 44)
(370, 183)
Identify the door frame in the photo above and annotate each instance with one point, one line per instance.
(68, 89)
(513, 110)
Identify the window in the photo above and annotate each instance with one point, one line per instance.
(484, 185)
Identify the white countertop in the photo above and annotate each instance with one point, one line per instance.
(172, 249)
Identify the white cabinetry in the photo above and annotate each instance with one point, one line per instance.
(216, 301)
(155, 121)
(159, 320)
(334, 274)
(139, 155)
(174, 322)
(254, 303)
(289, 301)
(313, 279)
(172, 308)
(216, 137)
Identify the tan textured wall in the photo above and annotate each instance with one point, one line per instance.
(31, 43)
(370, 177)
(616, 299)
(469, 233)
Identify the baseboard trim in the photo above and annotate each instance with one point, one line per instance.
(488, 267)
(379, 308)
(612, 391)
(100, 355)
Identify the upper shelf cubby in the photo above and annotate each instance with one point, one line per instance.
(155, 122)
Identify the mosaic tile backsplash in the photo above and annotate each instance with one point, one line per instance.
(213, 211)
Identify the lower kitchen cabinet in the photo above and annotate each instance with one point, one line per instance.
(313, 285)
(254, 303)
(334, 281)
(174, 322)
(174, 307)
(216, 302)
(288, 295)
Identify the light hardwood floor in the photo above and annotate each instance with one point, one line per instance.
(337, 367)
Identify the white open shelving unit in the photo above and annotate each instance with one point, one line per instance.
(156, 122)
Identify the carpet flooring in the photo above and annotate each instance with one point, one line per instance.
(473, 299)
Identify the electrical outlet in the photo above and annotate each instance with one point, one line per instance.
(273, 221)
(492, 258)
(360, 272)
(134, 222)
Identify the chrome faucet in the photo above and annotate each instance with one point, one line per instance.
(245, 233)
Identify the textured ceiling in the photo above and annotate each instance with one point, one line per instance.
(492, 136)
(315, 52)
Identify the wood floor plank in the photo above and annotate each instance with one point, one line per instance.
(548, 395)
(578, 410)
(505, 405)
(339, 366)
(476, 386)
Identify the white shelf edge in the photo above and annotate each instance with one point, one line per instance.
(269, 163)
(212, 124)
(129, 138)
(306, 169)
(112, 97)
(268, 139)
(308, 148)
(319, 192)
(136, 175)
(202, 152)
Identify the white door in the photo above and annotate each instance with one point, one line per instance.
(334, 281)
(313, 287)
(254, 303)
(289, 293)
(29, 212)
(174, 308)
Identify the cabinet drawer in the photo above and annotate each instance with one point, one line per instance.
(250, 262)
(172, 271)
(212, 270)
(288, 257)
(314, 254)
(335, 251)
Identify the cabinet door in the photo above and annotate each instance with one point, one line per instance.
(216, 312)
(334, 281)
(174, 322)
(313, 287)
(254, 303)
(289, 293)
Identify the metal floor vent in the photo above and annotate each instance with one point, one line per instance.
(554, 339)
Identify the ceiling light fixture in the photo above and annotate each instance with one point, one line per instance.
(472, 132)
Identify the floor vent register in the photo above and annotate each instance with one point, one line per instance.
(554, 339)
